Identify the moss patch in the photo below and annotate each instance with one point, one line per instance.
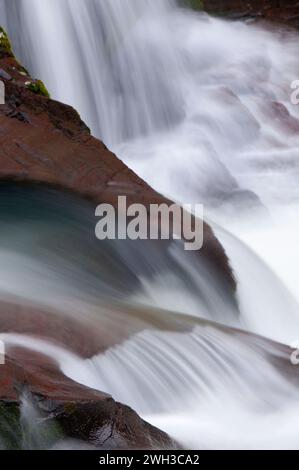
(5, 46)
(194, 4)
(38, 88)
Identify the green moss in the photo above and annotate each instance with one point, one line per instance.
(5, 46)
(10, 429)
(23, 71)
(194, 4)
(38, 87)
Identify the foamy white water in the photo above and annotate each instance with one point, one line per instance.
(211, 403)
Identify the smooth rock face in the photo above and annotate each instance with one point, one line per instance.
(285, 11)
(77, 336)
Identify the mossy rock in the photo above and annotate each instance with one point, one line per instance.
(22, 70)
(5, 46)
(38, 87)
(194, 4)
(19, 433)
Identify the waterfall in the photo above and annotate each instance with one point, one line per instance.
(151, 75)
(101, 37)
(200, 108)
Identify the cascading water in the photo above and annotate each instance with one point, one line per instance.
(106, 42)
(217, 91)
(200, 108)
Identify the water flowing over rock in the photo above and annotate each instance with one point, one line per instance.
(45, 142)
(199, 106)
(37, 400)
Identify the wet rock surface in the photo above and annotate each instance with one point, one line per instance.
(284, 11)
(68, 409)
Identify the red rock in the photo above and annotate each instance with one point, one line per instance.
(46, 142)
(63, 329)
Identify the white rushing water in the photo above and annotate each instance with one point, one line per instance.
(207, 403)
(201, 109)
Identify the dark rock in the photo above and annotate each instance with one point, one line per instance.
(73, 410)
(14, 114)
(5, 75)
